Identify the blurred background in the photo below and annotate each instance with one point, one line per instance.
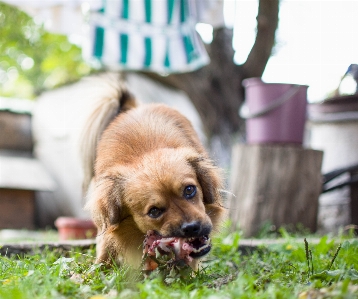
(53, 55)
(314, 44)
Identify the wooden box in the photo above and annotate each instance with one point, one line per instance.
(17, 209)
(20, 178)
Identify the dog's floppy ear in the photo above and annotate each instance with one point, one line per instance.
(209, 178)
(104, 202)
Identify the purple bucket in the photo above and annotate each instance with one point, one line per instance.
(274, 112)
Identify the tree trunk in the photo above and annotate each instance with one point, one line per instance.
(216, 89)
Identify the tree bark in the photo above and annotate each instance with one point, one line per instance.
(216, 89)
(287, 198)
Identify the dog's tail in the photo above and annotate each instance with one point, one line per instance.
(116, 99)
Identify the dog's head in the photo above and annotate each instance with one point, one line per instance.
(174, 192)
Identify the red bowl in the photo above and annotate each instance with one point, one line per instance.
(70, 228)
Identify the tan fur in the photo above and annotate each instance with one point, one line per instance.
(145, 158)
(117, 99)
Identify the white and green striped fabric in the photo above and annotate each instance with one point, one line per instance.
(150, 35)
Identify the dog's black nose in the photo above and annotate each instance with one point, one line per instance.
(191, 229)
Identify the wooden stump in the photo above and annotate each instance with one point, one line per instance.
(276, 184)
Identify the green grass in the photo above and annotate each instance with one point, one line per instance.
(293, 269)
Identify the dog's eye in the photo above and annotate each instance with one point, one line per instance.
(155, 212)
(189, 192)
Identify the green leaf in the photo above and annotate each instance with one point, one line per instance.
(336, 275)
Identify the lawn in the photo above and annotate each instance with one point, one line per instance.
(295, 268)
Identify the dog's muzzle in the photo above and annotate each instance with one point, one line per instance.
(197, 235)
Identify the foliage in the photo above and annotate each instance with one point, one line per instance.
(33, 60)
(272, 271)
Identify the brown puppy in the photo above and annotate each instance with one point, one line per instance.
(151, 173)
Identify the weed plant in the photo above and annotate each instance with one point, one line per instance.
(296, 268)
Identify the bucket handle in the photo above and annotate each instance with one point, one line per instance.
(245, 112)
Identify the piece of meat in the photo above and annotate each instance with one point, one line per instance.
(155, 248)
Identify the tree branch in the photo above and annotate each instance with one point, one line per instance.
(267, 22)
